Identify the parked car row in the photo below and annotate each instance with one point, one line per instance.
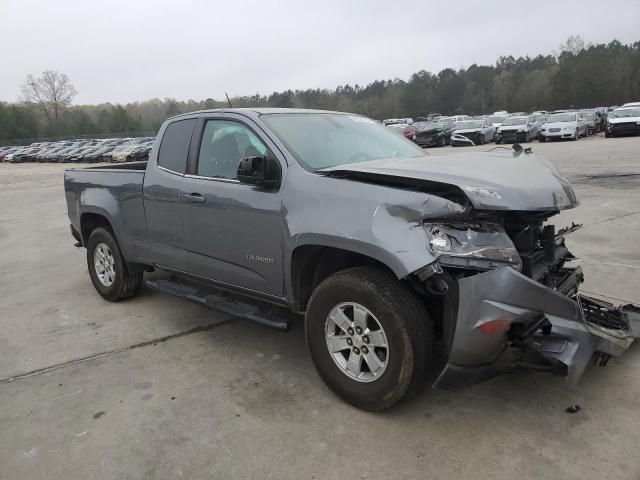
(116, 150)
(503, 127)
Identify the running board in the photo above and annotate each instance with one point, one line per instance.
(216, 300)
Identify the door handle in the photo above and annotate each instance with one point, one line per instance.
(193, 198)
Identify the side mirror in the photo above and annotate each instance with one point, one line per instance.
(263, 172)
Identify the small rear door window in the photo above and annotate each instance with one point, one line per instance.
(175, 145)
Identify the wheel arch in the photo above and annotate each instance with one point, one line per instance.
(97, 218)
(90, 220)
(311, 263)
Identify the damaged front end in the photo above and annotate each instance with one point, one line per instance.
(496, 272)
(514, 301)
(464, 140)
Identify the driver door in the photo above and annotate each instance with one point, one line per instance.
(233, 232)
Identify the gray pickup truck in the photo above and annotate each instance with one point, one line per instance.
(407, 267)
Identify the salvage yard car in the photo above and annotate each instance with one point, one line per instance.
(564, 125)
(408, 131)
(623, 121)
(392, 255)
(472, 132)
(590, 120)
(434, 134)
(518, 129)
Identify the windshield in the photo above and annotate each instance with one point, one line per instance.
(625, 112)
(562, 117)
(496, 119)
(322, 140)
(461, 125)
(515, 121)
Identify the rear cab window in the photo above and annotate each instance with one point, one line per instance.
(174, 147)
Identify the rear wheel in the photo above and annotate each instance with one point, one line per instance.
(370, 337)
(482, 140)
(442, 142)
(108, 271)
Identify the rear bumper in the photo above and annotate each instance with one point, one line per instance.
(506, 321)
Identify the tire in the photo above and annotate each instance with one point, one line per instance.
(527, 139)
(577, 135)
(498, 140)
(119, 284)
(607, 134)
(482, 140)
(442, 142)
(407, 330)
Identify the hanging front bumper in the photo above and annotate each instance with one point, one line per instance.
(507, 321)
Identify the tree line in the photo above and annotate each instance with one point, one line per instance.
(578, 76)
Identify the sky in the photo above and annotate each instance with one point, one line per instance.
(122, 51)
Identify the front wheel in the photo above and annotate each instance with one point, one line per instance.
(370, 337)
(108, 270)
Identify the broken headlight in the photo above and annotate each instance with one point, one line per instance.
(472, 245)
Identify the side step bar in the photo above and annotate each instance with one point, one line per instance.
(216, 300)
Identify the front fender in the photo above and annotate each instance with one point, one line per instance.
(372, 219)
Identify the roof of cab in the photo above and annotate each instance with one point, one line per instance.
(260, 111)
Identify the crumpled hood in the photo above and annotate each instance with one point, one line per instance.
(490, 180)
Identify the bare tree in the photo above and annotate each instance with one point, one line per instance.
(574, 44)
(52, 90)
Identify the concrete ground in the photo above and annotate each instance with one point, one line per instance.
(156, 387)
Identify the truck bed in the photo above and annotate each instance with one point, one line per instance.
(113, 192)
